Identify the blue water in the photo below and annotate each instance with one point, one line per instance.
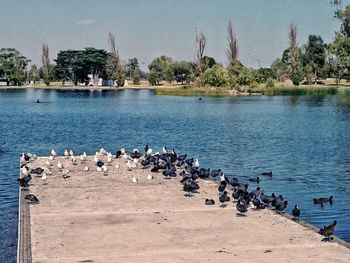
(303, 140)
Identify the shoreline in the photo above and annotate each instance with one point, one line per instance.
(100, 218)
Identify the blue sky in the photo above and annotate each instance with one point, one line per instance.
(146, 29)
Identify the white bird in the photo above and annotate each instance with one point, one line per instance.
(66, 153)
(71, 152)
(74, 160)
(22, 160)
(122, 151)
(105, 169)
(43, 177)
(84, 156)
(109, 159)
(86, 168)
(103, 151)
(65, 174)
(48, 171)
(150, 177)
(129, 165)
(48, 163)
(196, 163)
(24, 171)
(149, 151)
(96, 159)
(99, 169)
(222, 177)
(165, 150)
(117, 166)
(135, 150)
(34, 157)
(134, 179)
(51, 157)
(60, 165)
(53, 153)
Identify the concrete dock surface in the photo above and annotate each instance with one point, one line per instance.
(92, 217)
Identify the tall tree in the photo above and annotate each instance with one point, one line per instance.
(294, 55)
(201, 41)
(344, 17)
(115, 69)
(232, 49)
(131, 66)
(157, 69)
(45, 60)
(314, 55)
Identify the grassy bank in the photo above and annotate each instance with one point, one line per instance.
(192, 91)
(295, 91)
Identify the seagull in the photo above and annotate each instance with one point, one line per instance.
(134, 179)
(51, 158)
(109, 158)
(74, 160)
(86, 168)
(150, 177)
(165, 150)
(43, 177)
(24, 171)
(103, 151)
(53, 153)
(60, 165)
(71, 152)
(96, 159)
(65, 174)
(34, 157)
(105, 169)
(196, 163)
(149, 152)
(117, 166)
(129, 165)
(99, 169)
(66, 153)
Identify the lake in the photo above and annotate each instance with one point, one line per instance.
(304, 140)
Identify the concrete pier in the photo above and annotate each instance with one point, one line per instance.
(92, 217)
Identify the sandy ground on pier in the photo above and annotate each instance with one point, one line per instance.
(90, 217)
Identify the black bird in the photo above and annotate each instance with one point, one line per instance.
(327, 231)
(256, 192)
(281, 205)
(180, 163)
(190, 186)
(242, 186)
(275, 200)
(31, 198)
(255, 180)
(256, 202)
(182, 157)
(267, 173)
(296, 212)
(100, 163)
(323, 200)
(234, 182)
(189, 161)
(215, 173)
(222, 186)
(209, 202)
(25, 180)
(118, 154)
(236, 193)
(223, 198)
(264, 198)
(37, 171)
(155, 168)
(204, 173)
(241, 208)
(146, 162)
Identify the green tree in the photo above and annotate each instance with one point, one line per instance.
(13, 66)
(45, 60)
(184, 71)
(314, 55)
(79, 65)
(309, 73)
(280, 70)
(216, 76)
(344, 18)
(157, 69)
(137, 76)
(294, 56)
(131, 66)
(33, 74)
(340, 56)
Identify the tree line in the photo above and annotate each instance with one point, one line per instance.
(307, 63)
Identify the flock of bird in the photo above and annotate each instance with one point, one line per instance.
(169, 163)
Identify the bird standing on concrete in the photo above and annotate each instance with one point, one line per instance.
(296, 212)
(328, 231)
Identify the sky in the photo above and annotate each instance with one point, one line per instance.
(146, 29)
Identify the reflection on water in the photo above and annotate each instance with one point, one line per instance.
(303, 140)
